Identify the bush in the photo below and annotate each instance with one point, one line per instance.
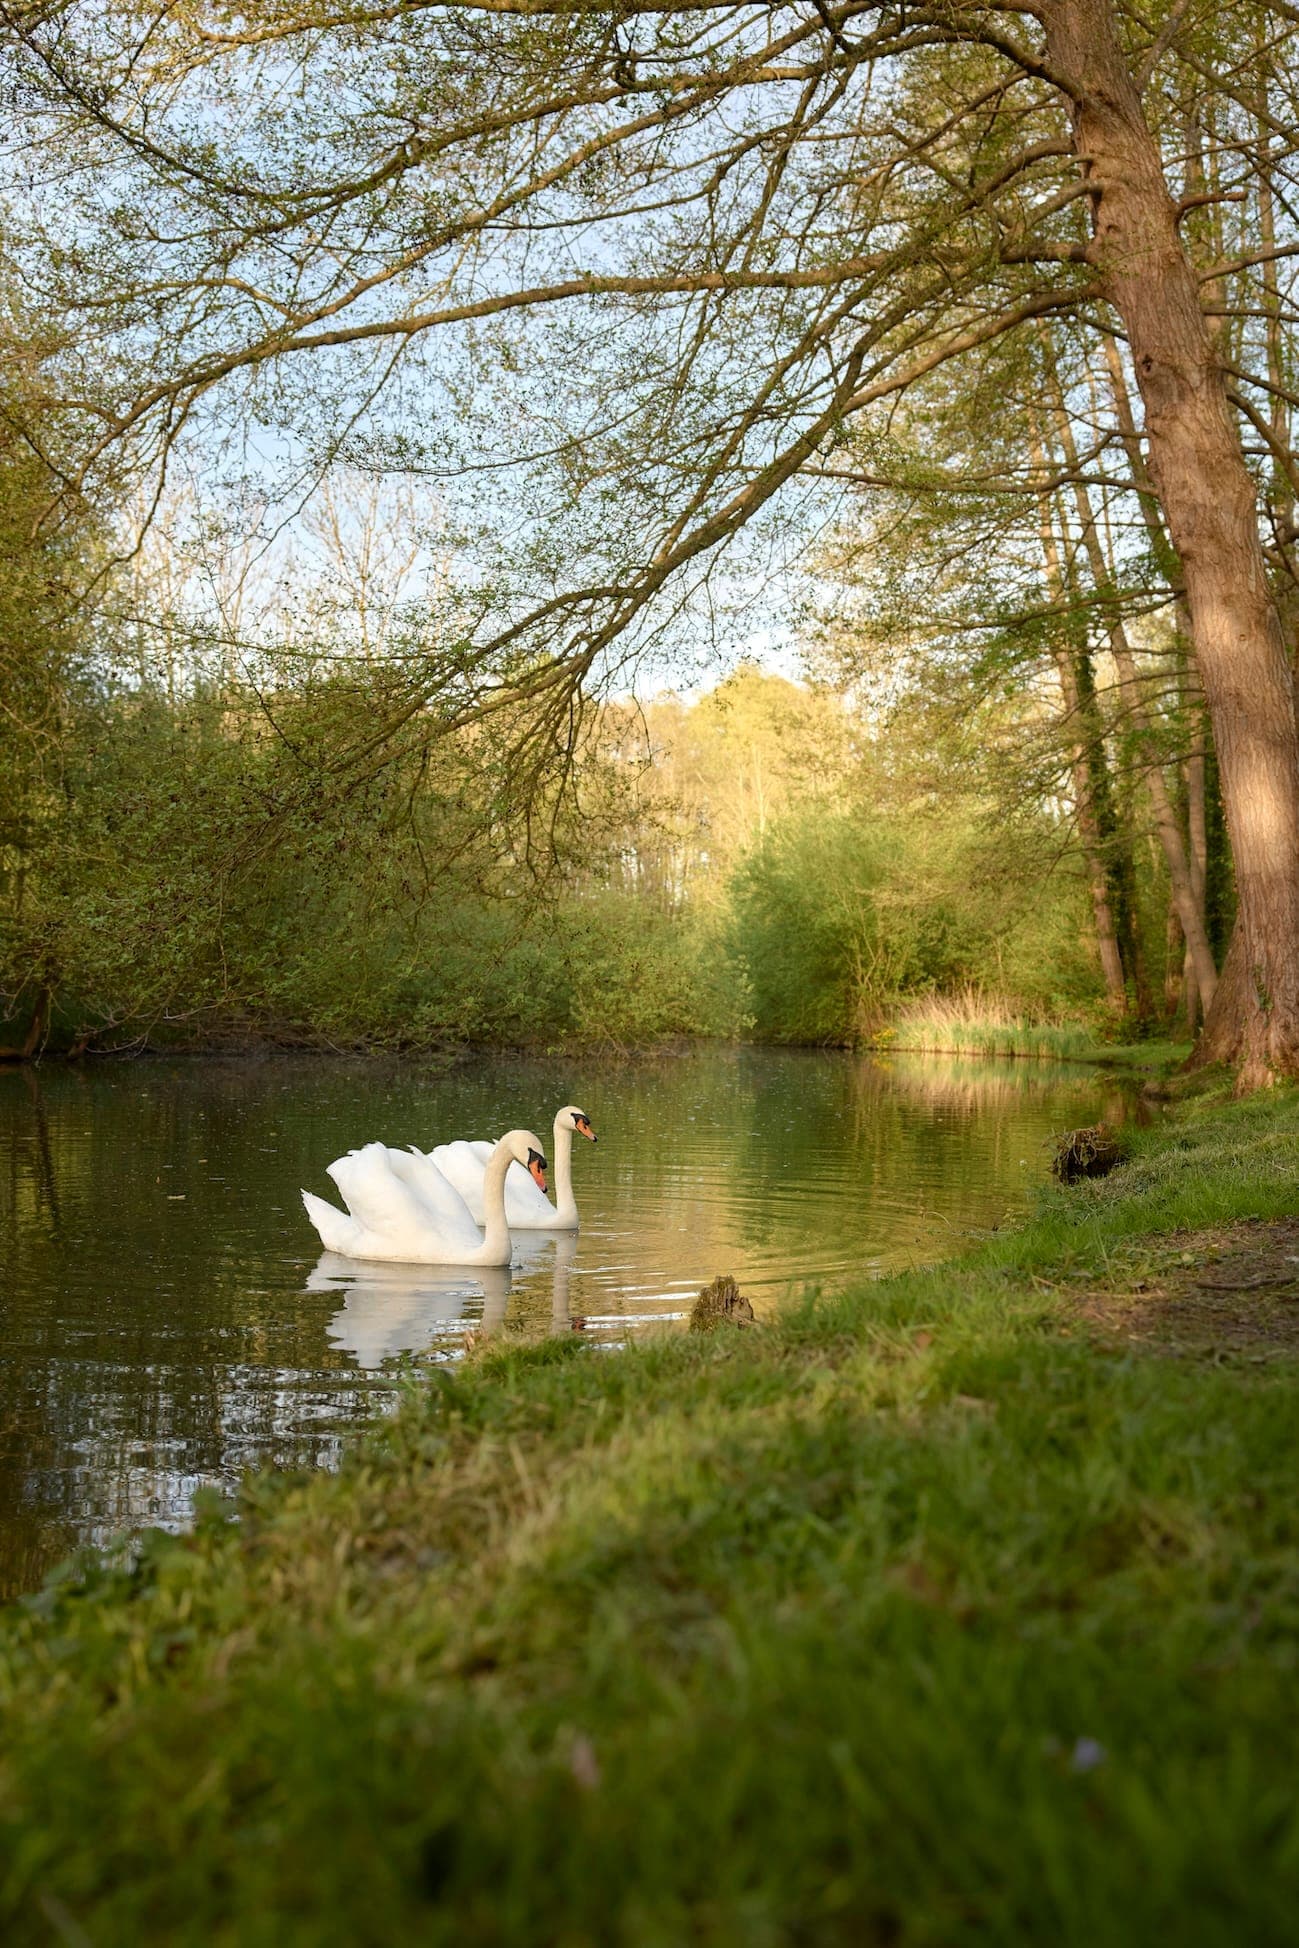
(838, 916)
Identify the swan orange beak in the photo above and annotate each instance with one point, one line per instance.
(537, 1169)
(582, 1124)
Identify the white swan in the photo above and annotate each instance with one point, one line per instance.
(401, 1207)
(526, 1208)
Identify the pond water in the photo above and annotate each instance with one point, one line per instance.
(170, 1319)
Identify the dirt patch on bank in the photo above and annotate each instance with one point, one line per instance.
(1230, 1290)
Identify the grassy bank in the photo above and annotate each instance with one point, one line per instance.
(974, 1024)
(963, 1608)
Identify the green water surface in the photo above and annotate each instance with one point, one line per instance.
(170, 1319)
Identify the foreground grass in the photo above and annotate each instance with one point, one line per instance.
(920, 1616)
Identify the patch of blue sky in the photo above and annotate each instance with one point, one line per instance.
(555, 446)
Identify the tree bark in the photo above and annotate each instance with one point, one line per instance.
(1199, 472)
(1192, 701)
(1220, 1038)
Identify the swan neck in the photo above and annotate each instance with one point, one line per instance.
(565, 1202)
(496, 1232)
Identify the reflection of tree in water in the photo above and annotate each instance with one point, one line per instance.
(44, 1156)
(32, 1437)
(802, 1136)
(30, 1170)
(140, 1359)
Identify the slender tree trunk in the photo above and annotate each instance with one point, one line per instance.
(1204, 227)
(1167, 823)
(1160, 546)
(1080, 772)
(1115, 830)
(1085, 762)
(1219, 1037)
(1191, 995)
(1198, 832)
(1219, 876)
(1177, 958)
(1198, 469)
(1283, 473)
(1107, 939)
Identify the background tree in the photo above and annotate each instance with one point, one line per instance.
(686, 248)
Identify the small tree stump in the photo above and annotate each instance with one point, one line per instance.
(720, 1303)
(1086, 1153)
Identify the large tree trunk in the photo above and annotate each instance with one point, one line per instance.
(1207, 495)
(1220, 1037)
(1192, 701)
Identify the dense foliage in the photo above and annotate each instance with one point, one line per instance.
(197, 845)
(757, 862)
(205, 877)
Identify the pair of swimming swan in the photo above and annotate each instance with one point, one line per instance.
(406, 1206)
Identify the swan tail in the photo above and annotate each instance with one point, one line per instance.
(335, 1229)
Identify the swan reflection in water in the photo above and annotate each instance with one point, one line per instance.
(390, 1308)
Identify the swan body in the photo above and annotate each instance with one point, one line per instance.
(527, 1208)
(400, 1207)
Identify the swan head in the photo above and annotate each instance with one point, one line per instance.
(577, 1119)
(525, 1148)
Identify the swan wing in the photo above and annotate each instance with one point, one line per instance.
(376, 1196)
(447, 1209)
(389, 1220)
(337, 1231)
(464, 1165)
